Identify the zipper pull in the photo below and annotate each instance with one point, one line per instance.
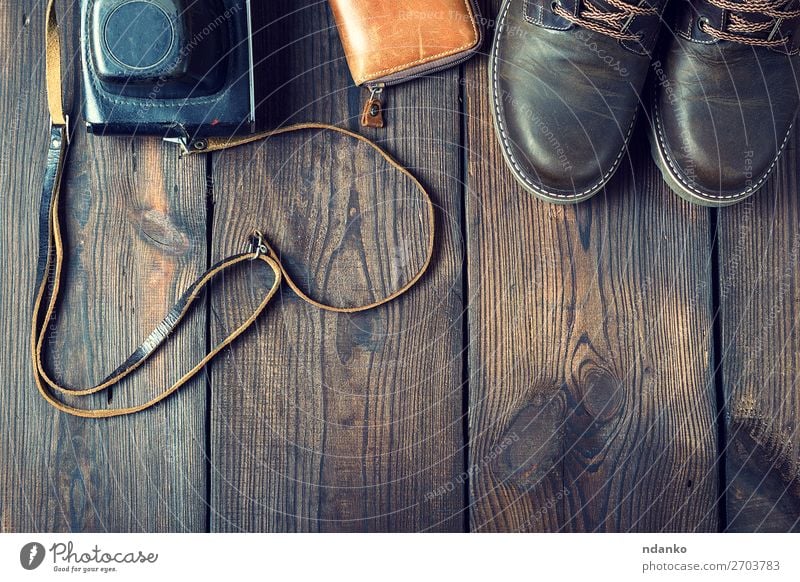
(372, 114)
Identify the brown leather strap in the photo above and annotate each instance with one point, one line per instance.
(51, 256)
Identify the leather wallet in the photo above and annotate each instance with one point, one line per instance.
(388, 42)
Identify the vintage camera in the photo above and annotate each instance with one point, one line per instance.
(181, 69)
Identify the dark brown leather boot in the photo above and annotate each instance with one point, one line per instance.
(726, 95)
(565, 81)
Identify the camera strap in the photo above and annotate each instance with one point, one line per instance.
(51, 257)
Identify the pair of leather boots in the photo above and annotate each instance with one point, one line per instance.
(568, 80)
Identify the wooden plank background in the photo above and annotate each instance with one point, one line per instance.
(135, 223)
(351, 419)
(591, 395)
(629, 364)
(759, 295)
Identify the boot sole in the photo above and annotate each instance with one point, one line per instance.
(681, 189)
(678, 188)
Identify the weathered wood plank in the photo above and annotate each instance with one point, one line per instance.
(336, 422)
(135, 222)
(759, 296)
(591, 394)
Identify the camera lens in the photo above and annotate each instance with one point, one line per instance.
(139, 34)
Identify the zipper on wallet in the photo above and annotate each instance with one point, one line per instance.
(372, 114)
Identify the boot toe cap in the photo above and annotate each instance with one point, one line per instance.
(563, 114)
(568, 163)
(718, 131)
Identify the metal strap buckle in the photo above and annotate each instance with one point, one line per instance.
(66, 128)
(257, 245)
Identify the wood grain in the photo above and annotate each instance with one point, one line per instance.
(759, 298)
(135, 222)
(340, 422)
(591, 394)
(589, 348)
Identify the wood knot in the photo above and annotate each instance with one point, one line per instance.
(359, 331)
(599, 392)
(603, 395)
(156, 229)
(532, 444)
(766, 475)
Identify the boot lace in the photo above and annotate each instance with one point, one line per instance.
(612, 20)
(762, 18)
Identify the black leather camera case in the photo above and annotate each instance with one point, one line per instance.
(174, 68)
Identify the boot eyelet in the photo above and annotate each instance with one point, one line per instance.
(702, 22)
(553, 6)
